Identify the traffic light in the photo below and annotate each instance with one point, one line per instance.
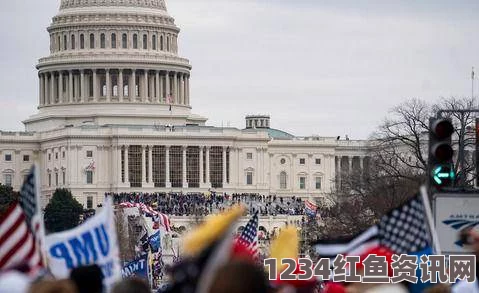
(440, 156)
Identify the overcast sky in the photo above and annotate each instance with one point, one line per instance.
(317, 67)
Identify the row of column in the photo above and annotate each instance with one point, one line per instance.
(119, 85)
(147, 169)
(340, 168)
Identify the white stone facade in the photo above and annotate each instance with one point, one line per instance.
(114, 115)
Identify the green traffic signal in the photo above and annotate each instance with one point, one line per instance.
(443, 175)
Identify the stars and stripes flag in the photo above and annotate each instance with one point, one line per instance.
(160, 218)
(403, 230)
(21, 229)
(311, 208)
(249, 236)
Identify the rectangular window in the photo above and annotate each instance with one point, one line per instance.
(8, 179)
(56, 156)
(249, 178)
(49, 180)
(318, 183)
(64, 176)
(302, 161)
(89, 154)
(318, 161)
(8, 157)
(56, 179)
(26, 158)
(49, 157)
(63, 154)
(89, 177)
(89, 202)
(249, 156)
(302, 182)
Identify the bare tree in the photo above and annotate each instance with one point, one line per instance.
(397, 166)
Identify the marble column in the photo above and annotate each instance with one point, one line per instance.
(143, 166)
(45, 88)
(127, 168)
(52, 88)
(150, 164)
(60, 87)
(108, 85)
(208, 183)
(119, 166)
(120, 85)
(224, 167)
(185, 181)
(95, 86)
(202, 178)
(175, 88)
(181, 90)
(167, 167)
(167, 85)
(70, 87)
(76, 80)
(157, 86)
(42, 89)
(144, 92)
(132, 86)
(82, 86)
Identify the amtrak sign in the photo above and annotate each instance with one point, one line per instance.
(454, 212)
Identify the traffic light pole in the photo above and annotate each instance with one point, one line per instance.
(461, 148)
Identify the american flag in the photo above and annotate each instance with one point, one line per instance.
(310, 208)
(404, 230)
(249, 236)
(21, 229)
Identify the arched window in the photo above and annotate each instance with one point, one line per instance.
(153, 40)
(64, 43)
(145, 42)
(82, 41)
(135, 41)
(283, 179)
(124, 41)
(161, 43)
(113, 41)
(73, 42)
(168, 43)
(92, 41)
(102, 41)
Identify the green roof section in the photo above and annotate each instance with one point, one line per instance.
(279, 134)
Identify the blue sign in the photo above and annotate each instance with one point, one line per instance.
(155, 242)
(138, 268)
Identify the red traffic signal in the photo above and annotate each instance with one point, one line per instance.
(442, 128)
(442, 152)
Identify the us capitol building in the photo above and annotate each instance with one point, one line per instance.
(114, 115)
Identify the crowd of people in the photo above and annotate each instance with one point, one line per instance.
(235, 276)
(202, 204)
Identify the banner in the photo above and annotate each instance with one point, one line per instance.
(137, 268)
(93, 242)
(155, 242)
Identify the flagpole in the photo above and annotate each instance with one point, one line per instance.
(427, 209)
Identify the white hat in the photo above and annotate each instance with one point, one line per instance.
(14, 282)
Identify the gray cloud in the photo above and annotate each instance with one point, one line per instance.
(318, 67)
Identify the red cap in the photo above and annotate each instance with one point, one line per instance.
(379, 251)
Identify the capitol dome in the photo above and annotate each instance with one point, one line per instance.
(113, 62)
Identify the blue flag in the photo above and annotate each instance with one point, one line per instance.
(138, 268)
(155, 242)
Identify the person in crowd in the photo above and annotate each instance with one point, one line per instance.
(240, 276)
(131, 285)
(471, 238)
(53, 286)
(88, 279)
